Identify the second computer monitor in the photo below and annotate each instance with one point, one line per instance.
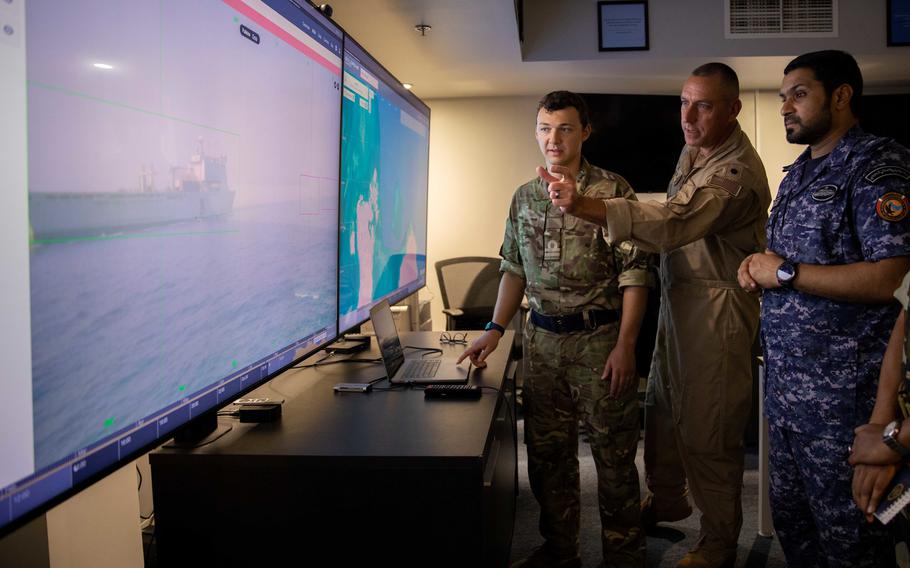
(384, 173)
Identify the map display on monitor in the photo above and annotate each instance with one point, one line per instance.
(384, 176)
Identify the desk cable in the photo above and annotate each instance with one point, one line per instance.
(426, 350)
(505, 401)
(390, 388)
(329, 355)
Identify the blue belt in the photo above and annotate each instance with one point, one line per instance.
(588, 320)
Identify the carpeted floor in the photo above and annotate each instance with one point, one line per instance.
(665, 548)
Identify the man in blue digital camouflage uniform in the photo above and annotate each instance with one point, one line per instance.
(587, 300)
(838, 245)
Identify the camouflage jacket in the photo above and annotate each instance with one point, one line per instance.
(565, 261)
(823, 356)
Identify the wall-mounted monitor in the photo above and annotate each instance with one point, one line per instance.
(385, 150)
(174, 223)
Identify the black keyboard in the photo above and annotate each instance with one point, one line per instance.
(420, 369)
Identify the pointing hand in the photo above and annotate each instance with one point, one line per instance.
(561, 187)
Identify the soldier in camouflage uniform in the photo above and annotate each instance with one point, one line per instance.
(587, 300)
(700, 386)
(838, 240)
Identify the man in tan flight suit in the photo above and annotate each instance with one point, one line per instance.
(700, 385)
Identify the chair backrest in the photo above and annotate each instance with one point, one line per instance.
(468, 282)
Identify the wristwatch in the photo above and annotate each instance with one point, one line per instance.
(889, 437)
(786, 274)
(496, 326)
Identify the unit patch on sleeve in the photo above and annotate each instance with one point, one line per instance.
(725, 184)
(892, 206)
(886, 171)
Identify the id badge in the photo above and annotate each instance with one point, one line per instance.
(552, 235)
(552, 242)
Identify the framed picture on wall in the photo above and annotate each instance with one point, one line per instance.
(898, 22)
(622, 25)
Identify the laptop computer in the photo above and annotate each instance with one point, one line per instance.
(417, 370)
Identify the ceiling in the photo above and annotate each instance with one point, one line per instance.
(473, 50)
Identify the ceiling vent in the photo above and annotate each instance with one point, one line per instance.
(748, 19)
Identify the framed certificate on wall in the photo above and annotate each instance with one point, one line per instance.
(898, 22)
(622, 25)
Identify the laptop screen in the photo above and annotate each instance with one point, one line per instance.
(387, 337)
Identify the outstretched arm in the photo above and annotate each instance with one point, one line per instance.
(511, 291)
(689, 215)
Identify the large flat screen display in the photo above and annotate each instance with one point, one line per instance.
(170, 221)
(384, 171)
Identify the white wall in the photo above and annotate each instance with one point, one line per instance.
(770, 139)
(98, 527)
(482, 149)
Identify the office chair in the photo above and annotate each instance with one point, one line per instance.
(469, 285)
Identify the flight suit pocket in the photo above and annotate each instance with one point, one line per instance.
(680, 201)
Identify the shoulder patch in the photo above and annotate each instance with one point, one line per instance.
(725, 184)
(887, 171)
(892, 206)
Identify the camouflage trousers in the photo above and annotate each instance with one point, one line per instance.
(812, 506)
(562, 386)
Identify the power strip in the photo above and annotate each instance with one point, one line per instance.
(452, 391)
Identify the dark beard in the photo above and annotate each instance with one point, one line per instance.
(812, 132)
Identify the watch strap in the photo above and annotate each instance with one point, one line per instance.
(496, 326)
(890, 440)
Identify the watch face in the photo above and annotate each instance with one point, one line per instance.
(889, 430)
(785, 272)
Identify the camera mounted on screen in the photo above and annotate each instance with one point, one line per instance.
(325, 9)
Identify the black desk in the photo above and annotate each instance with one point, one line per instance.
(380, 477)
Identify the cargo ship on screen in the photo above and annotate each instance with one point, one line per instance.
(197, 190)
